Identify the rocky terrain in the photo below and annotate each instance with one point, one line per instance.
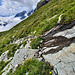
(20, 56)
(58, 48)
(47, 36)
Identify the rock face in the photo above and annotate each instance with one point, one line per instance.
(58, 48)
(19, 57)
(41, 3)
(63, 61)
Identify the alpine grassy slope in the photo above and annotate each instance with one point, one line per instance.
(39, 21)
(42, 20)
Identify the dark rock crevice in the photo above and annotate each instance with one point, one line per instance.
(51, 41)
(59, 28)
(59, 41)
(58, 47)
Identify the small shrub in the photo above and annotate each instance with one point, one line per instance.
(35, 42)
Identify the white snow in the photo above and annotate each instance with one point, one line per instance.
(12, 21)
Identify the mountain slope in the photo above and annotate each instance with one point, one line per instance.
(41, 20)
(56, 17)
(46, 12)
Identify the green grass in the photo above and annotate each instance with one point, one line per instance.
(11, 47)
(34, 67)
(24, 43)
(2, 65)
(35, 42)
(38, 21)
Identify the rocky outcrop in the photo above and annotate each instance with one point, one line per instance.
(19, 41)
(41, 3)
(19, 57)
(58, 48)
(63, 61)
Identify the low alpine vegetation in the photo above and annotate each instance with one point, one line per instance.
(36, 42)
(33, 67)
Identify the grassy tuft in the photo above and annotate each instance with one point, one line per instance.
(34, 67)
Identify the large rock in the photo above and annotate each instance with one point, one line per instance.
(63, 61)
(69, 33)
(58, 48)
(19, 57)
